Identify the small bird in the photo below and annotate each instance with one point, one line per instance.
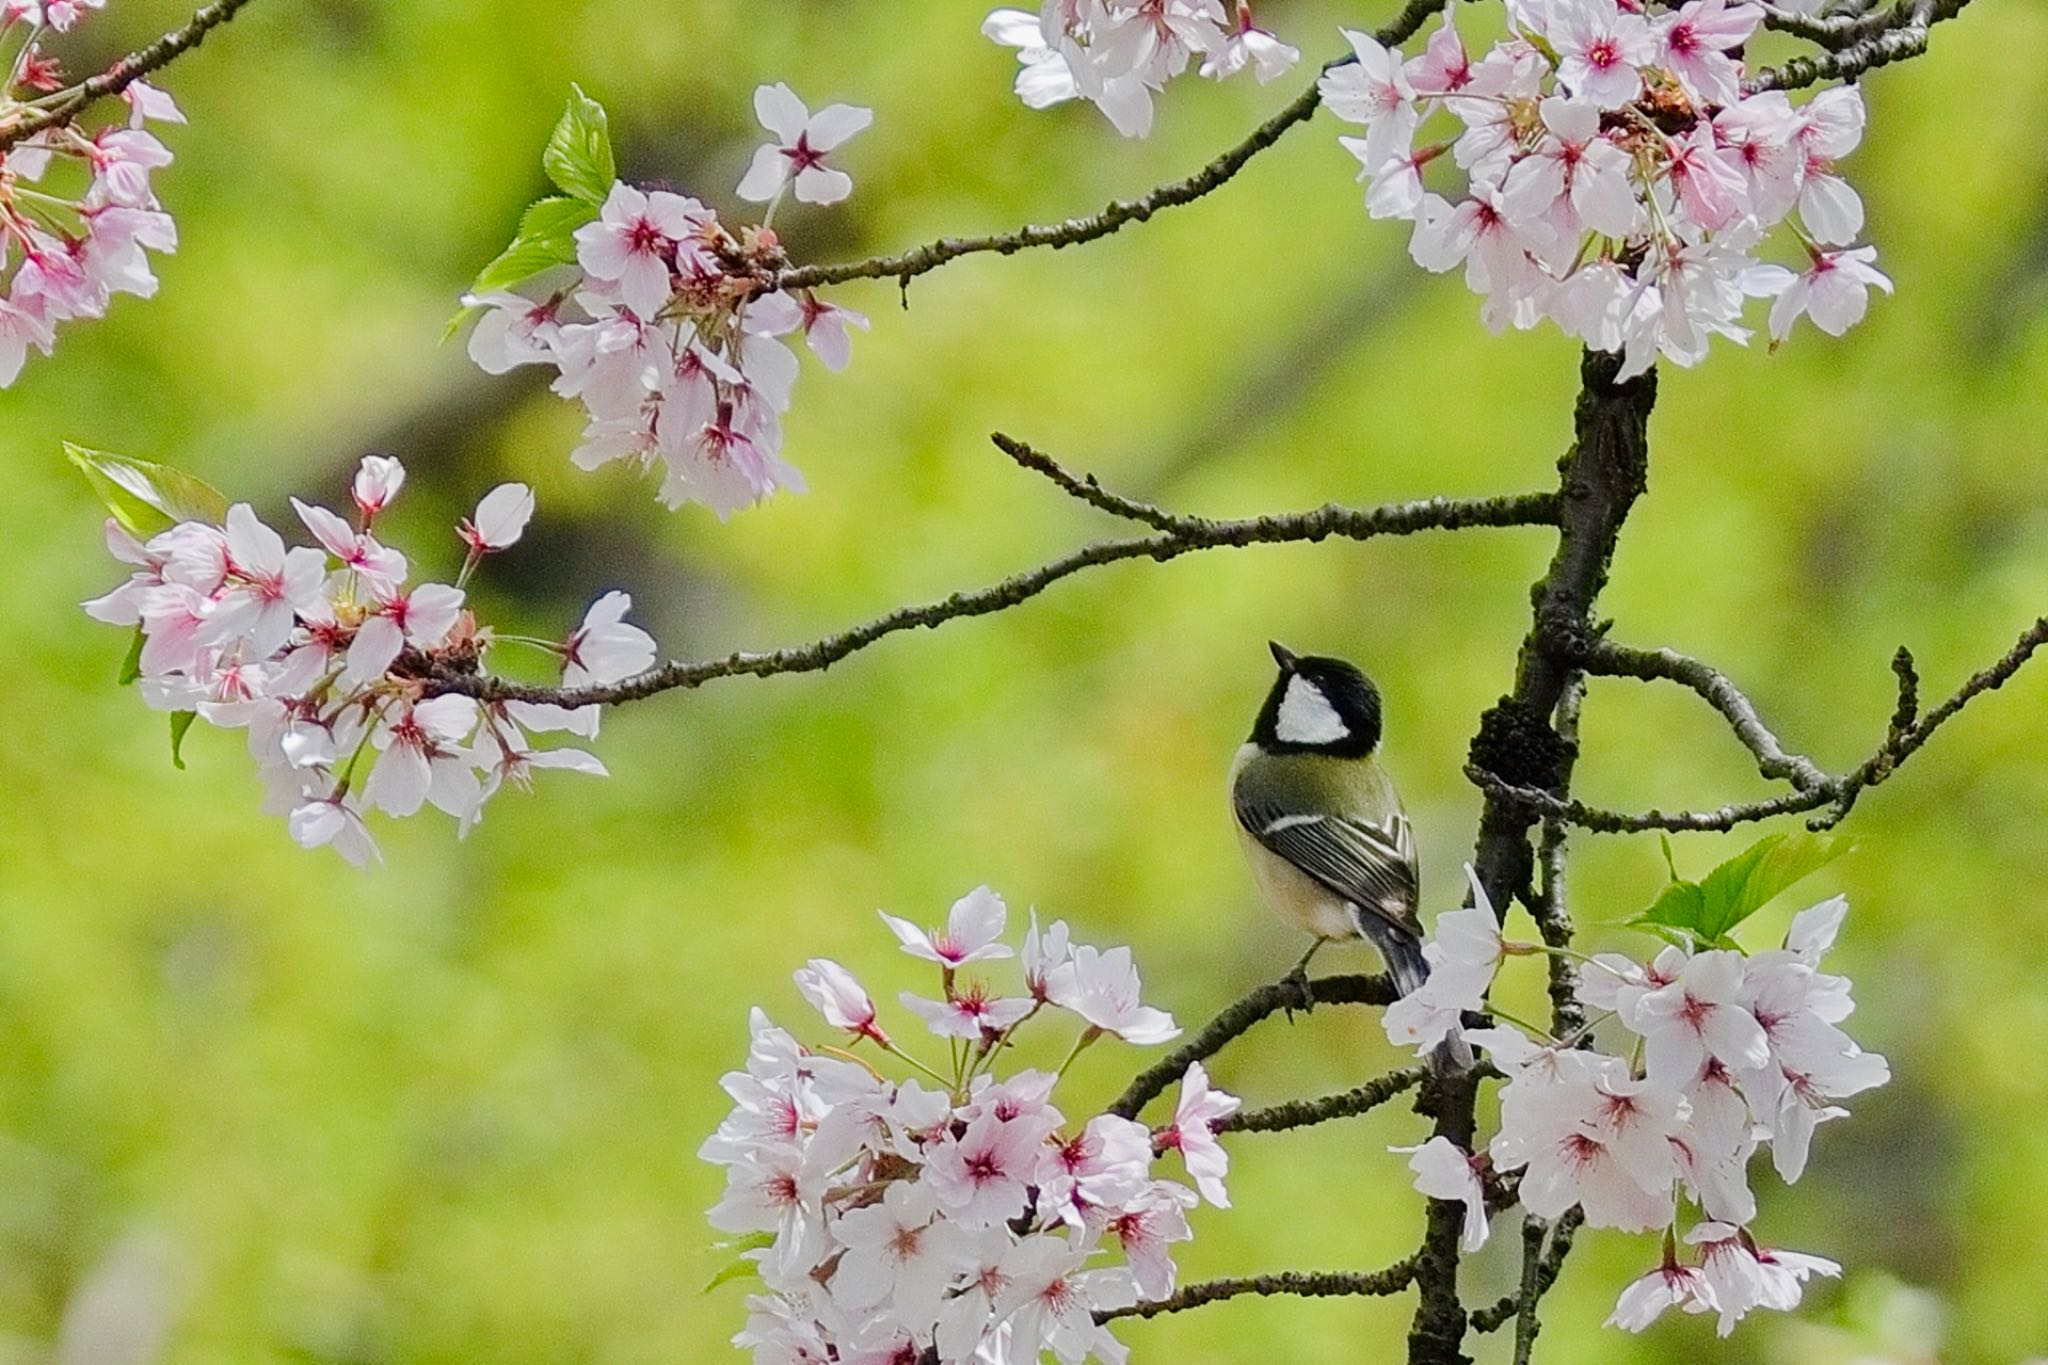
(1321, 824)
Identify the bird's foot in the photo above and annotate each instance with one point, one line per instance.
(1301, 990)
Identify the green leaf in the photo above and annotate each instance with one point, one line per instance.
(740, 1267)
(1712, 907)
(579, 154)
(181, 721)
(547, 238)
(131, 667)
(147, 498)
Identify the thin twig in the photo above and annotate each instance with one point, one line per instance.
(1300, 1283)
(1871, 41)
(1190, 534)
(1838, 794)
(1088, 490)
(1307, 1113)
(123, 73)
(907, 265)
(1608, 660)
(1541, 1265)
(1235, 1020)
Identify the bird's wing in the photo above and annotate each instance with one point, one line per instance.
(1371, 866)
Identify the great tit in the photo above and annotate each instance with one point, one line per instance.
(1321, 824)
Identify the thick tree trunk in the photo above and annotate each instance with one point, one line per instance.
(1599, 479)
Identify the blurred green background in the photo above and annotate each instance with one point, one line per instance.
(259, 1107)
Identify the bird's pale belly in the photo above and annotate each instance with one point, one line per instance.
(1295, 896)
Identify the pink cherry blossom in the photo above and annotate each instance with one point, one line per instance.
(836, 995)
(1102, 987)
(499, 520)
(377, 481)
(420, 758)
(1193, 1133)
(1601, 51)
(804, 142)
(1693, 44)
(1251, 47)
(980, 1177)
(604, 648)
(633, 243)
(1671, 1285)
(1444, 1171)
(973, 932)
(1833, 291)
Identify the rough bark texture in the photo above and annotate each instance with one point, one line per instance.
(1599, 479)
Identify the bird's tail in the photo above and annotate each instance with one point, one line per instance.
(1409, 970)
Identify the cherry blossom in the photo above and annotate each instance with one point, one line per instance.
(1193, 1134)
(968, 1222)
(666, 323)
(798, 158)
(499, 520)
(1444, 1171)
(1617, 181)
(836, 995)
(1745, 1276)
(1253, 47)
(1102, 987)
(78, 214)
(1670, 1285)
(973, 932)
(1117, 54)
(1833, 291)
(328, 656)
(606, 648)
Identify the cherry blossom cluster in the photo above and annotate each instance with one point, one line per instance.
(1617, 180)
(77, 212)
(326, 656)
(1117, 54)
(670, 332)
(893, 1221)
(1720, 1054)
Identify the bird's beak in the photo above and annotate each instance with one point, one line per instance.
(1282, 655)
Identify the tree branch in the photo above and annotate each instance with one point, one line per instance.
(1608, 660)
(1904, 738)
(1288, 993)
(1599, 479)
(1307, 1113)
(1540, 1268)
(1086, 489)
(1866, 42)
(122, 74)
(1550, 908)
(1189, 534)
(1301, 1283)
(909, 264)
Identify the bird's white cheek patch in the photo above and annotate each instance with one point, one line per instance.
(1306, 716)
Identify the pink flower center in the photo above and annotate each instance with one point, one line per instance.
(801, 157)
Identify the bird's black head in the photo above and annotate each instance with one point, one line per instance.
(1318, 706)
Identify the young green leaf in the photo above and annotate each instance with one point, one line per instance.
(147, 498)
(579, 154)
(740, 1267)
(547, 238)
(181, 721)
(131, 666)
(1712, 907)
(1754, 878)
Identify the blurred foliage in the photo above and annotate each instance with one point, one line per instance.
(260, 1108)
